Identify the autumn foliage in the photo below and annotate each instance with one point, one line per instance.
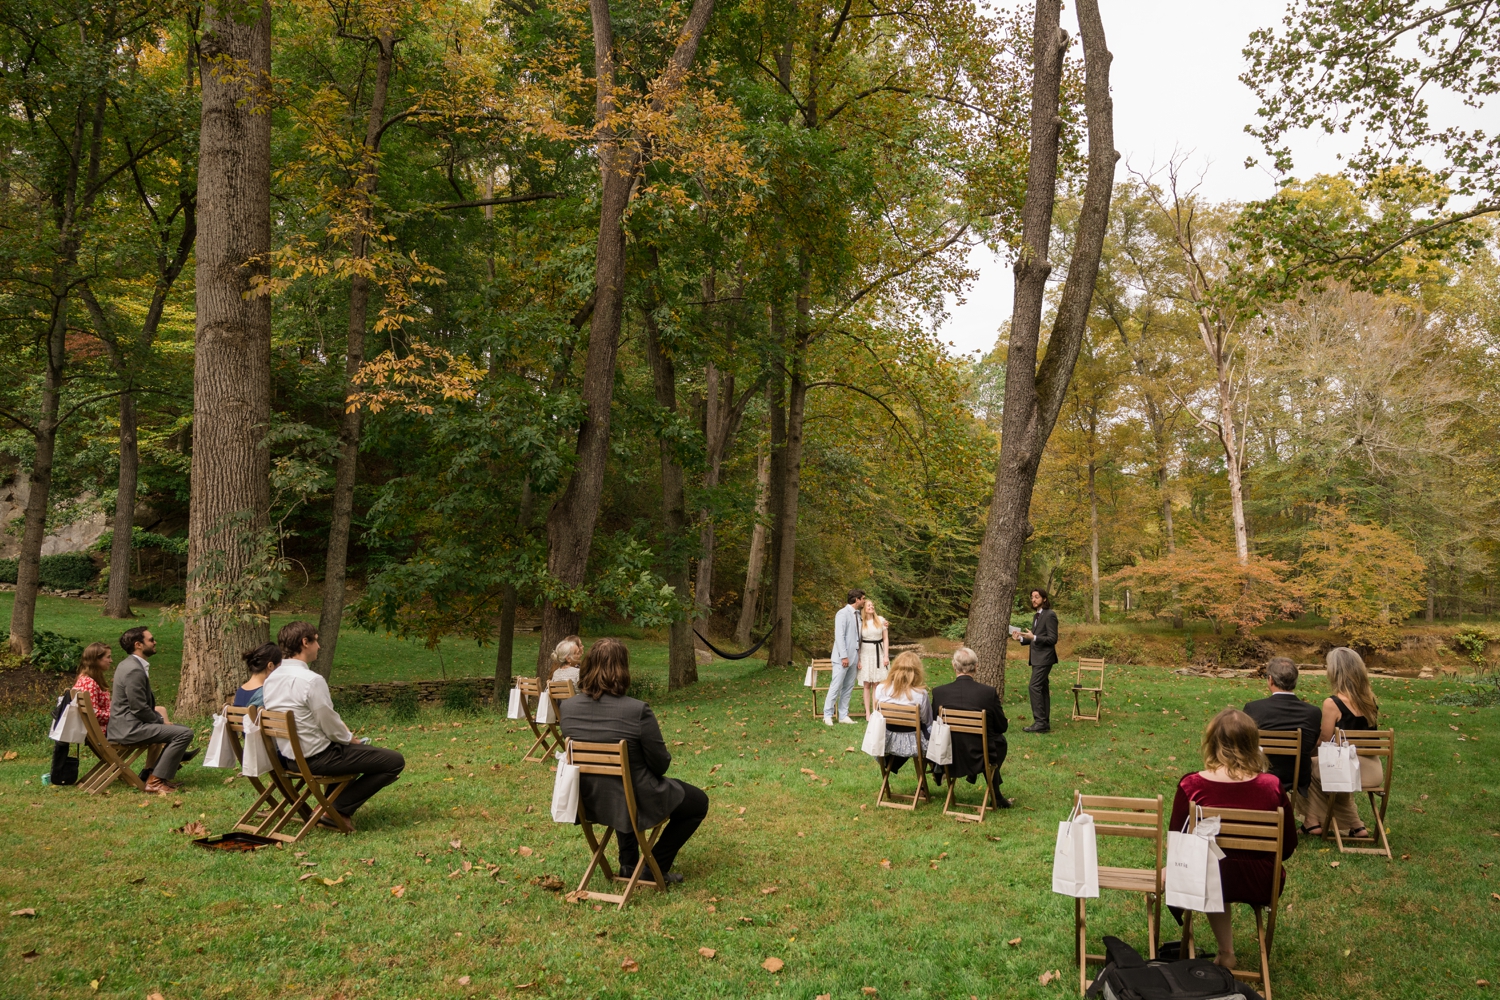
(1208, 583)
(1364, 577)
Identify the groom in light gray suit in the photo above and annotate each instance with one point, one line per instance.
(845, 660)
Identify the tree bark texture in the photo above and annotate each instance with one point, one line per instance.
(232, 355)
(570, 522)
(776, 406)
(34, 529)
(1034, 394)
(117, 603)
(331, 616)
(1094, 538)
(682, 662)
(755, 562)
(505, 637)
(791, 480)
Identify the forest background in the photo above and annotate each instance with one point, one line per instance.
(1281, 408)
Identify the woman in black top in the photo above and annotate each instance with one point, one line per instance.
(1352, 708)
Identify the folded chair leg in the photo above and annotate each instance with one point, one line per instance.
(1379, 814)
(1151, 929)
(1080, 931)
(1265, 953)
(596, 857)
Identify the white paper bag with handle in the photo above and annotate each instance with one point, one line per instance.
(1338, 766)
(939, 748)
(874, 743)
(811, 679)
(220, 753)
(257, 761)
(1075, 859)
(545, 713)
(70, 727)
(565, 793)
(1193, 881)
(515, 711)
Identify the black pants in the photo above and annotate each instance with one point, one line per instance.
(1041, 695)
(684, 822)
(376, 769)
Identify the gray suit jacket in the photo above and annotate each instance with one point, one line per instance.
(609, 720)
(132, 704)
(846, 636)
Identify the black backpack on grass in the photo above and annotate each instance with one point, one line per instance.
(1127, 976)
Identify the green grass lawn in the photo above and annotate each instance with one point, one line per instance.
(789, 865)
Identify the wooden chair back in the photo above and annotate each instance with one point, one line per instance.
(967, 723)
(1284, 743)
(1381, 745)
(1090, 681)
(548, 736)
(909, 716)
(612, 760)
(116, 762)
(561, 691)
(1259, 830)
(271, 800)
(1138, 818)
(822, 671)
(300, 783)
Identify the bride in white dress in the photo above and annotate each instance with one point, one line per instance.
(874, 651)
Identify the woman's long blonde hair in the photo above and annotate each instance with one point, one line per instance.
(1231, 741)
(868, 614)
(906, 675)
(1350, 681)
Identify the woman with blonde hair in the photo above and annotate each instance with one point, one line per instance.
(1233, 777)
(1352, 707)
(874, 651)
(566, 657)
(906, 684)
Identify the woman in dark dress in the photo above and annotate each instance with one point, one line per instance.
(1352, 708)
(259, 663)
(1233, 778)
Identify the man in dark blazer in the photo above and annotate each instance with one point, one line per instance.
(135, 719)
(1042, 638)
(602, 713)
(968, 694)
(1284, 711)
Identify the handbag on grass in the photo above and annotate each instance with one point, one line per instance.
(219, 753)
(1338, 765)
(874, 743)
(515, 710)
(1075, 859)
(1193, 881)
(939, 748)
(257, 761)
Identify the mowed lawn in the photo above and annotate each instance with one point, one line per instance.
(434, 896)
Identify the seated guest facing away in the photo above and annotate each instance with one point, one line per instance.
(1351, 708)
(259, 662)
(602, 713)
(968, 694)
(905, 684)
(96, 660)
(566, 657)
(136, 719)
(329, 746)
(1284, 711)
(1233, 778)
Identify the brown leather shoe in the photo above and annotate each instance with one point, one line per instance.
(156, 786)
(328, 823)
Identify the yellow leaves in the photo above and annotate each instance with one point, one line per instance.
(427, 372)
(630, 965)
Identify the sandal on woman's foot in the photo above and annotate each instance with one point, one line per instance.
(1363, 833)
(1316, 831)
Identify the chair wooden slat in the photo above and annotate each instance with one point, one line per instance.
(548, 736)
(1121, 816)
(614, 762)
(909, 716)
(971, 723)
(312, 796)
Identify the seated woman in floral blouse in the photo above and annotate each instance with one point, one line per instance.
(91, 678)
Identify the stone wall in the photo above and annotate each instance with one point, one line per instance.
(75, 537)
(428, 692)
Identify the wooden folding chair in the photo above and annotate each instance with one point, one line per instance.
(549, 738)
(1122, 817)
(1090, 681)
(902, 715)
(1284, 743)
(272, 799)
(612, 760)
(1381, 744)
(116, 761)
(970, 724)
(1247, 830)
(300, 784)
(560, 691)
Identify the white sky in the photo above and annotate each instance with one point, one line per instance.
(1175, 80)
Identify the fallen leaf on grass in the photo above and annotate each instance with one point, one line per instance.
(747, 920)
(398, 891)
(525, 852)
(1493, 895)
(824, 996)
(773, 965)
(333, 881)
(368, 861)
(714, 768)
(885, 862)
(1047, 977)
(456, 843)
(1481, 982)
(549, 882)
(309, 864)
(1014, 942)
(707, 952)
(868, 991)
(464, 980)
(28, 912)
(770, 889)
(193, 829)
(741, 810)
(525, 986)
(629, 965)
(712, 908)
(156, 996)
(305, 876)
(11, 755)
(1333, 864)
(94, 984)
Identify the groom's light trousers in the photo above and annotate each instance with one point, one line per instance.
(839, 688)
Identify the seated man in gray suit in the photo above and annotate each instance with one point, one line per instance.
(135, 718)
(602, 713)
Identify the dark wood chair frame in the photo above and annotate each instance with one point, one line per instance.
(902, 715)
(612, 760)
(1095, 666)
(970, 724)
(1249, 830)
(1123, 817)
(116, 760)
(299, 784)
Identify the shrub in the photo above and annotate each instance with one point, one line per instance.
(459, 697)
(1474, 694)
(1363, 576)
(1096, 645)
(64, 571)
(1117, 650)
(641, 688)
(1472, 639)
(404, 704)
(50, 652)
(956, 630)
(1209, 584)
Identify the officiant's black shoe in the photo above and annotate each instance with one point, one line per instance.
(1001, 802)
(1034, 728)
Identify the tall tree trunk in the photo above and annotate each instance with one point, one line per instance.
(1431, 595)
(570, 522)
(117, 603)
(34, 530)
(682, 663)
(791, 481)
(1034, 394)
(505, 638)
(776, 405)
(229, 512)
(756, 560)
(1232, 466)
(715, 400)
(336, 562)
(1094, 539)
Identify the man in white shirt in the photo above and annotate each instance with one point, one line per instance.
(327, 744)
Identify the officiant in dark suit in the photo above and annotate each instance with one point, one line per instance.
(1284, 711)
(1042, 638)
(968, 694)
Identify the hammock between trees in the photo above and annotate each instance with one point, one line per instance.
(737, 656)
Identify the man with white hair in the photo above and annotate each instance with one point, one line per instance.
(968, 694)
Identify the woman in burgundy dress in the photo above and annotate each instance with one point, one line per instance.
(1233, 778)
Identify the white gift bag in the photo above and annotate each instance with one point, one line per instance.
(220, 753)
(545, 713)
(70, 727)
(1075, 859)
(257, 760)
(516, 709)
(1193, 881)
(565, 794)
(939, 748)
(1338, 766)
(874, 743)
(811, 679)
